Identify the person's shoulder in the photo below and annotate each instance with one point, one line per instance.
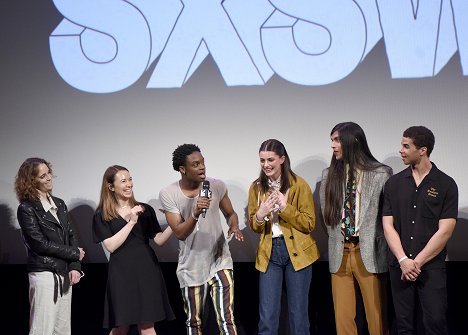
(325, 172)
(58, 201)
(146, 206)
(442, 174)
(255, 182)
(98, 215)
(382, 168)
(26, 205)
(403, 173)
(299, 182)
(215, 182)
(169, 189)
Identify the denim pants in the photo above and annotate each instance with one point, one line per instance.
(297, 287)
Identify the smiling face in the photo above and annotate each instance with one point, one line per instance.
(194, 168)
(43, 180)
(270, 163)
(336, 145)
(122, 185)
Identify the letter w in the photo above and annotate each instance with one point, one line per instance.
(419, 36)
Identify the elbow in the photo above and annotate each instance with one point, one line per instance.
(179, 233)
(109, 247)
(180, 236)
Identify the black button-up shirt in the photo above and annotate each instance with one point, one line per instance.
(416, 210)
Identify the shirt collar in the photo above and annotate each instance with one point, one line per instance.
(276, 184)
(46, 205)
(431, 175)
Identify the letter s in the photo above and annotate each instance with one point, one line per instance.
(314, 42)
(101, 46)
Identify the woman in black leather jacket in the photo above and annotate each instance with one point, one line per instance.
(53, 253)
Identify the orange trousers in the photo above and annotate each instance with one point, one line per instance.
(352, 273)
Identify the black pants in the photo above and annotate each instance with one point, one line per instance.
(429, 291)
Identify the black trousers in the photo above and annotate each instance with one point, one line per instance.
(428, 292)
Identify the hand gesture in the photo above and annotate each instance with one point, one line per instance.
(282, 200)
(134, 213)
(267, 206)
(237, 232)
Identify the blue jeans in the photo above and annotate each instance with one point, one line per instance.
(297, 287)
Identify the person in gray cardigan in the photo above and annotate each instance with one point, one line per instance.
(351, 194)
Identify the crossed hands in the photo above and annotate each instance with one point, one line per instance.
(276, 201)
(410, 270)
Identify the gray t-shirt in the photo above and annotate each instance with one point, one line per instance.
(205, 251)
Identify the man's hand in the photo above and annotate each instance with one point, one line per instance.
(409, 270)
(237, 232)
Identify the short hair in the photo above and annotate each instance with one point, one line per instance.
(25, 180)
(422, 137)
(179, 156)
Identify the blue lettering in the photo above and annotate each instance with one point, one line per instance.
(306, 42)
(104, 46)
(421, 41)
(460, 15)
(204, 27)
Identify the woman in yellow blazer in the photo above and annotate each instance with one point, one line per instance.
(281, 210)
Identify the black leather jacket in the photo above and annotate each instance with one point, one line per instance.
(52, 246)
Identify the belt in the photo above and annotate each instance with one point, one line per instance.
(352, 239)
(280, 237)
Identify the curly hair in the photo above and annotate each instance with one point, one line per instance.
(179, 156)
(25, 180)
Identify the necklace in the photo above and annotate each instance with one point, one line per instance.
(122, 207)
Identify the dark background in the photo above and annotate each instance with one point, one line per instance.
(88, 300)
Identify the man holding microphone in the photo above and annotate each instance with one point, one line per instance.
(191, 206)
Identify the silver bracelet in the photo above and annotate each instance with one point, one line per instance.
(193, 217)
(258, 221)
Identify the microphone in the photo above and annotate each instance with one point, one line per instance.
(205, 192)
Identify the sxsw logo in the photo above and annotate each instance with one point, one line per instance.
(104, 46)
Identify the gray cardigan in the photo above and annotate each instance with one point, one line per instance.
(371, 236)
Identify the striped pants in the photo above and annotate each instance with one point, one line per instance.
(221, 289)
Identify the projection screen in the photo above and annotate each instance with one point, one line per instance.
(92, 83)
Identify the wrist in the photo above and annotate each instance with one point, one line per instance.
(401, 259)
(194, 217)
(259, 221)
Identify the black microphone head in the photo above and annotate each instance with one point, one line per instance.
(206, 185)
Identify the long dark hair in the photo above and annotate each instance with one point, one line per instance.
(356, 155)
(278, 148)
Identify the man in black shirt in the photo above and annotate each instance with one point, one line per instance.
(419, 215)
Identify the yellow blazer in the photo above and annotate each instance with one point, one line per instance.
(297, 221)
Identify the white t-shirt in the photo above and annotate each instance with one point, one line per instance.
(205, 251)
